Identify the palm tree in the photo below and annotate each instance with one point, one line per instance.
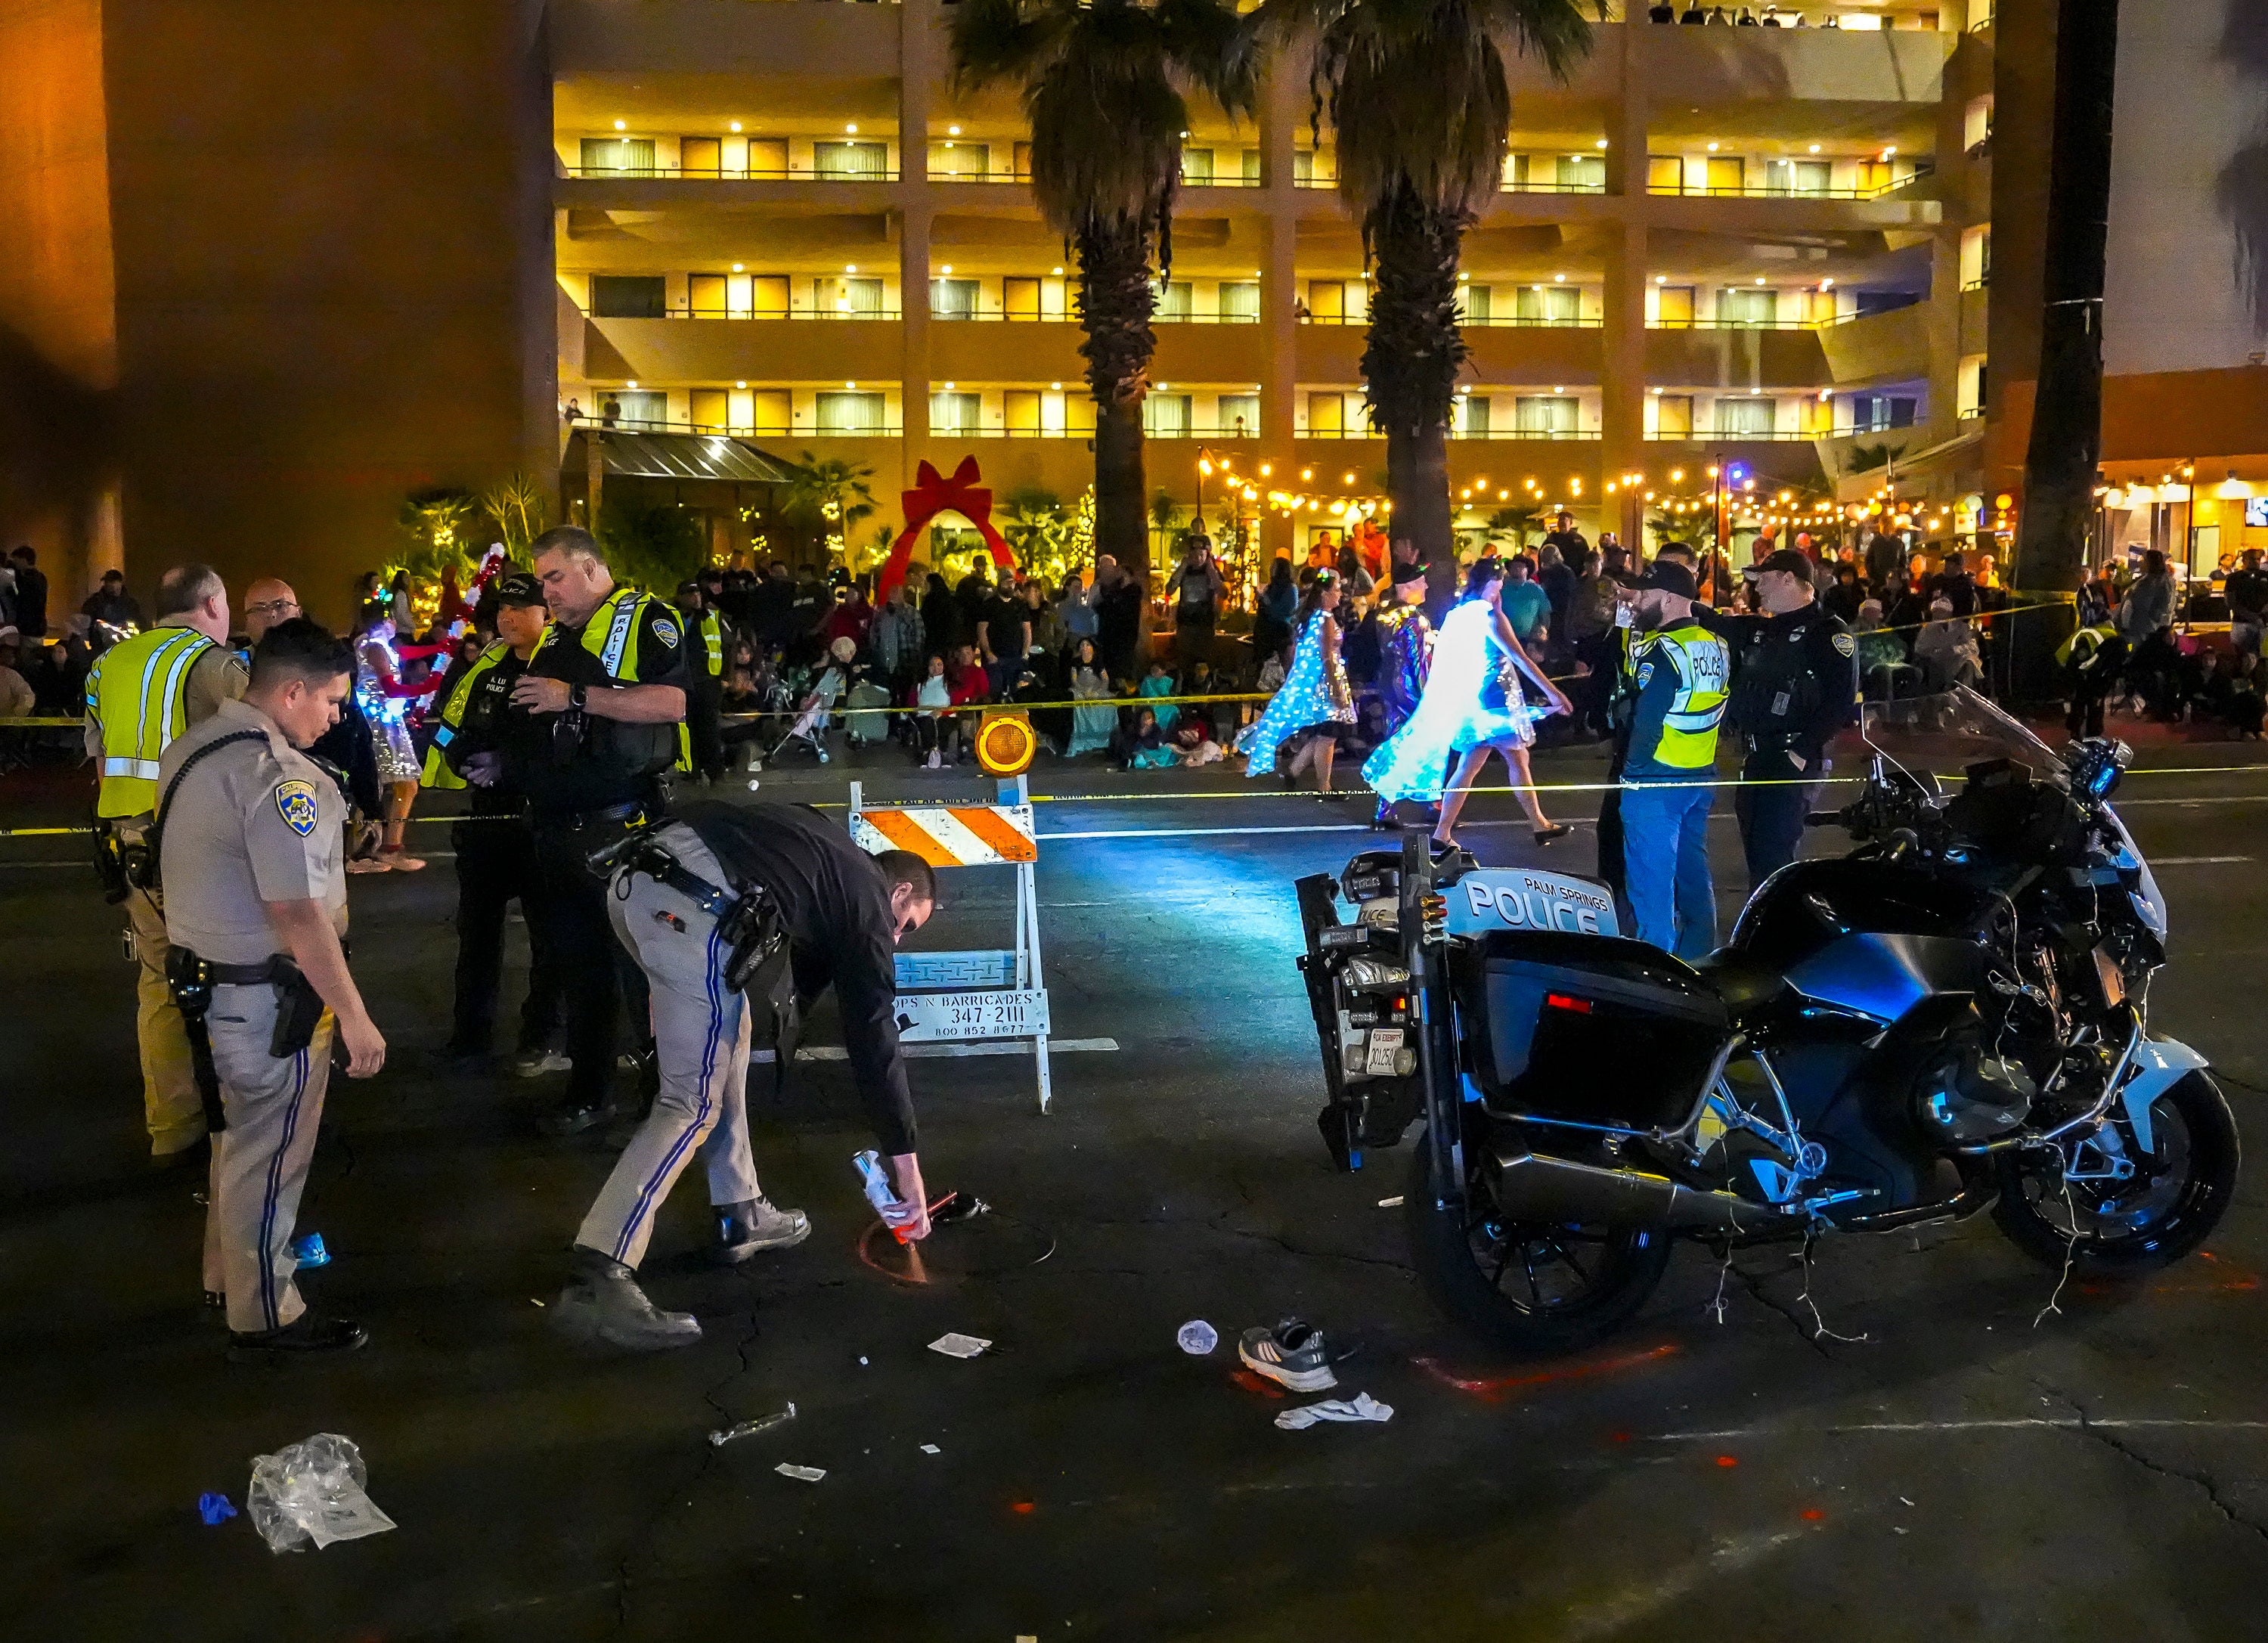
(1415, 93)
(1105, 85)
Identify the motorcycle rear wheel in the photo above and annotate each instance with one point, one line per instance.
(1531, 1289)
(2141, 1225)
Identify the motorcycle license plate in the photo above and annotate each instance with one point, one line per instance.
(1385, 1043)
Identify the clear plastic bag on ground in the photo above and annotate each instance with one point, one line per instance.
(313, 1491)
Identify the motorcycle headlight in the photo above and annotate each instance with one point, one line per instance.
(1370, 975)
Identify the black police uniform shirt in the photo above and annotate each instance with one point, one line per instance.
(610, 763)
(1794, 686)
(834, 903)
(491, 724)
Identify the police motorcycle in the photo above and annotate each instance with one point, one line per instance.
(1950, 1018)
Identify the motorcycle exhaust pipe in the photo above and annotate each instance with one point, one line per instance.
(1535, 1186)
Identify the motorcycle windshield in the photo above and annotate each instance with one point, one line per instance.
(1934, 737)
(1944, 733)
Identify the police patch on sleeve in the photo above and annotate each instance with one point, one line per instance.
(666, 630)
(295, 802)
(1846, 644)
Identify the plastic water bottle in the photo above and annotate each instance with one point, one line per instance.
(1197, 1338)
(880, 1193)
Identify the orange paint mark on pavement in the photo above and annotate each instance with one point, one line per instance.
(1496, 1390)
(1728, 1460)
(1252, 1382)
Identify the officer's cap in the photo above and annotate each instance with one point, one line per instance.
(1672, 578)
(1795, 564)
(518, 588)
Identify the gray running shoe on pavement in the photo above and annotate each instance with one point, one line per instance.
(1292, 1353)
(603, 1301)
(533, 1063)
(742, 1229)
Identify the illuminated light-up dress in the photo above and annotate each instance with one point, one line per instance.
(1472, 699)
(1314, 692)
(385, 702)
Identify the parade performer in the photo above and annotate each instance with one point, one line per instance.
(1472, 706)
(1314, 700)
(1405, 658)
(385, 702)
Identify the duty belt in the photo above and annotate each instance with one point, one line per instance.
(748, 921)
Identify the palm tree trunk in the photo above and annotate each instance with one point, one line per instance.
(1114, 306)
(2066, 438)
(1411, 359)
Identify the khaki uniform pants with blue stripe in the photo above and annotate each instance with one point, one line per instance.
(700, 1034)
(274, 1108)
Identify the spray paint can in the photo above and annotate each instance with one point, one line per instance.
(879, 1192)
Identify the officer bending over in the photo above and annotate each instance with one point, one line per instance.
(1794, 686)
(772, 900)
(251, 851)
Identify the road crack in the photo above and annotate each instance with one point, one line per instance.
(2203, 1482)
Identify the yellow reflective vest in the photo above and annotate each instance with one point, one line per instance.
(611, 635)
(1680, 676)
(138, 693)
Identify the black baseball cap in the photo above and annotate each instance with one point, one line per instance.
(1672, 578)
(518, 588)
(1787, 559)
(1406, 572)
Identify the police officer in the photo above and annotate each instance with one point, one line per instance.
(251, 852)
(605, 697)
(1675, 674)
(143, 692)
(496, 852)
(704, 698)
(1794, 687)
(773, 900)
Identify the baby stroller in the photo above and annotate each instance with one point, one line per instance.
(817, 712)
(862, 723)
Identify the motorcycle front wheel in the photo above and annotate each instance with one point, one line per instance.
(1528, 1288)
(2111, 1229)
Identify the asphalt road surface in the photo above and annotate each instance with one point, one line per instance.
(1945, 1464)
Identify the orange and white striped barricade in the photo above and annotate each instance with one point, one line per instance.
(986, 993)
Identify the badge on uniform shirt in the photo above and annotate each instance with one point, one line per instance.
(295, 802)
(666, 630)
(1845, 643)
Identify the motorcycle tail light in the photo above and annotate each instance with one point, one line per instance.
(1567, 1001)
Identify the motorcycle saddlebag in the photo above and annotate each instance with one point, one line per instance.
(1584, 1030)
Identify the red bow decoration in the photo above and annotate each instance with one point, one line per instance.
(931, 496)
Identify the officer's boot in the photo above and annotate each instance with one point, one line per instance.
(603, 1301)
(742, 1229)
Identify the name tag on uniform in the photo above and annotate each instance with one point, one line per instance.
(295, 802)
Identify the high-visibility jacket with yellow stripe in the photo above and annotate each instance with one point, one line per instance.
(712, 641)
(611, 635)
(1680, 676)
(437, 773)
(138, 694)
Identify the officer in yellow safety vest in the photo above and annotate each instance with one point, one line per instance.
(605, 698)
(496, 852)
(1678, 674)
(705, 698)
(145, 691)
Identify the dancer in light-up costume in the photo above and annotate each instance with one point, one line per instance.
(1314, 699)
(385, 702)
(1472, 706)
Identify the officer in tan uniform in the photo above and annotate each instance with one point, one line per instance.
(251, 848)
(145, 691)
